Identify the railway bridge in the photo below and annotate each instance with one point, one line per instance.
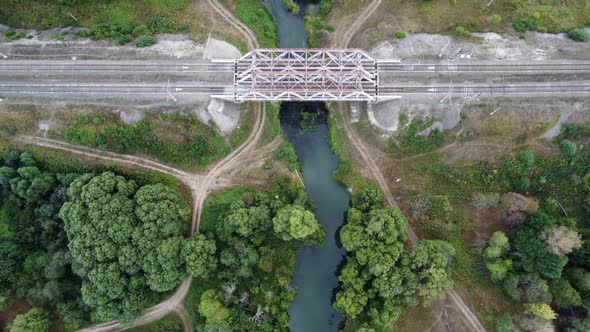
(285, 75)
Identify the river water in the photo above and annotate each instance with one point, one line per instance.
(315, 276)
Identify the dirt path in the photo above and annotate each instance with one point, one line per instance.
(200, 186)
(360, 147)
(244, 30)
(347, 37)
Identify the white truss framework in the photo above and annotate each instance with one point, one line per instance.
(306, 75)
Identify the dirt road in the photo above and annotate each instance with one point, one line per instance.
(200, 186)
(363, 151)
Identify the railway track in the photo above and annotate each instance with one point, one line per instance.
(108, 67)
(482, 67)
(489, 89)
(110, 89)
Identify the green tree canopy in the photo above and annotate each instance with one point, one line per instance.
(126, 242)
(200, 256)
(34, 320)
(293, 222)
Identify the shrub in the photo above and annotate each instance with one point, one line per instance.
(461, 31)
(484, 201)
(579, 35)
(496, 19)
(504, 324)
(145, 40)
(400, 35)
(524, 24)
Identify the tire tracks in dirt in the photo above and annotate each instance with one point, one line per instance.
(200, 191)
(360, 147)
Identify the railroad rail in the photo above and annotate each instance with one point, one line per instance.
(483, 67)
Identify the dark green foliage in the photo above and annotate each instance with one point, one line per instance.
(199, 256)
(287, 152)
(253, 234)
(534, 257)
(504, 324)
(125, 241)
(145, 41)
(367, 198)
(524, 24)
(564, 295)
(579, 35)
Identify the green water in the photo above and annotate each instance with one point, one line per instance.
(316, 270)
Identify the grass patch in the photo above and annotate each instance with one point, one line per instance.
(217, 203)
(258, 17)
(170, 323)
(272, 127)
(172, 138)
(345, 173)
(413, 139)
(122, 20)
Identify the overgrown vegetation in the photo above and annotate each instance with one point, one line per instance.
(415, 137)
(287, 153)
(121, 21)
(381, 278)
(248, 251)
(94, 247)
(175, 139)
(315, 24)
(537, 207)
(257, 16)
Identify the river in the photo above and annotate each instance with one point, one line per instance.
(315, 276)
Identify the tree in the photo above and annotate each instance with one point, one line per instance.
(125, 242)
(564, 295)
(561, 240)
(430, 261)
(504, 324)
(294, 222)
(532, 252)
(541, 310)
(497, 247)
(212, 309)
(351, 302)
(199, 256)
(367, 198)
(34, 320)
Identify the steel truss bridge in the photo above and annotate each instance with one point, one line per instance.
(306, 75)
(284, 75)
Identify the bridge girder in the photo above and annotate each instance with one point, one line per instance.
(306, 75)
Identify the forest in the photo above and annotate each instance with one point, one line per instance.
(248, 244)
(86, 247)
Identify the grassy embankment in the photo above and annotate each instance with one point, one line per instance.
(258, 17)
(123, 21)
(176, 139)
(461, 17)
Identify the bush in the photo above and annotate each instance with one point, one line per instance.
(145, 41)
(461, 31)
(579, 35)
(504, 324)
(496, 19)
(484, 201)
(400, 35)
(524, 24)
